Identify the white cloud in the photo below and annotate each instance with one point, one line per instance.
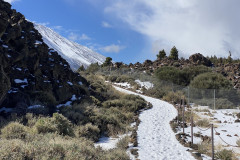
(74, 37)
(207, 26)
(84, 37)
(112, 48)
(44, 23)
(106, 25)
(11, 1)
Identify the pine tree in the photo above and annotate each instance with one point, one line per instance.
(173, 53)
(161, 55)
(81, 68)
(107, 62)
(229, 59)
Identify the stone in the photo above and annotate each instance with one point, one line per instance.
(199, 59)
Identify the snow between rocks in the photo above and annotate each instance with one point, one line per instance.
(156, 140)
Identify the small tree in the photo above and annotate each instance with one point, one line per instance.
(174, 53)
(229, 59)
(107, 62)
(81, 68)
(162, 54)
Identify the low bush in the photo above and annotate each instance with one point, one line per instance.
(123, 143)
(88, 131)
(211, 80)
(58, 123)
(225, 154)
(52, 146)
(45, 125)
(109, 121)
(14, 130)
(204, 147)
(203, 123)
(174, 97)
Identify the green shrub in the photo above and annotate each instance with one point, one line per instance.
(14, 130)
(45, 125)
(58, 123)
(225, 154)
(88, 131)
(64, 126)
(211, 81)
(170, 74)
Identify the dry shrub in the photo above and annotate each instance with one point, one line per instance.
(123, 143)
(225, 155)
(58, 123)
(204, 147)
(203, 123)
(53, 146)
(88, 131)
(14, 130)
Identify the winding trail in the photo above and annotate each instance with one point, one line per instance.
(156, 140)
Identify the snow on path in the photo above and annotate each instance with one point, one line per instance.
(156, 140)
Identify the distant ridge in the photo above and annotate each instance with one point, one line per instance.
(74, 53)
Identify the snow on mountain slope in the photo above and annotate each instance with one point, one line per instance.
(75, 54)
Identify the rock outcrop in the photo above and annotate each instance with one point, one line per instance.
(30, 72)
(199, 59)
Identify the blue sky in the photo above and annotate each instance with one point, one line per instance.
(135, 30)
(86, 24)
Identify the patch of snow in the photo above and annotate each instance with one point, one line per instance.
(147, 84)
(9, 56)
(46, 81)
(125, 84)
(23, 86)
(227, 129)
(50, 59)
(35, 106)
(74, 98)
(6, 109)
(20, 69)
(4, 46)
(13, 90)
(20, 81)
(37, 42)
(156, 139)
(107, 143)
(68, 103)
(80, 83)
(70, 83)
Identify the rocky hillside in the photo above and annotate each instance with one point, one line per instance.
(231, 71)
(30, 72)
(75, 54)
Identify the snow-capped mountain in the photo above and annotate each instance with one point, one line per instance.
(74, 53)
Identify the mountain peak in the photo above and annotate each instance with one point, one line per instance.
(75, 54)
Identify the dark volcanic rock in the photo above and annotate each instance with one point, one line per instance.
(31, 72)
(199, 59)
